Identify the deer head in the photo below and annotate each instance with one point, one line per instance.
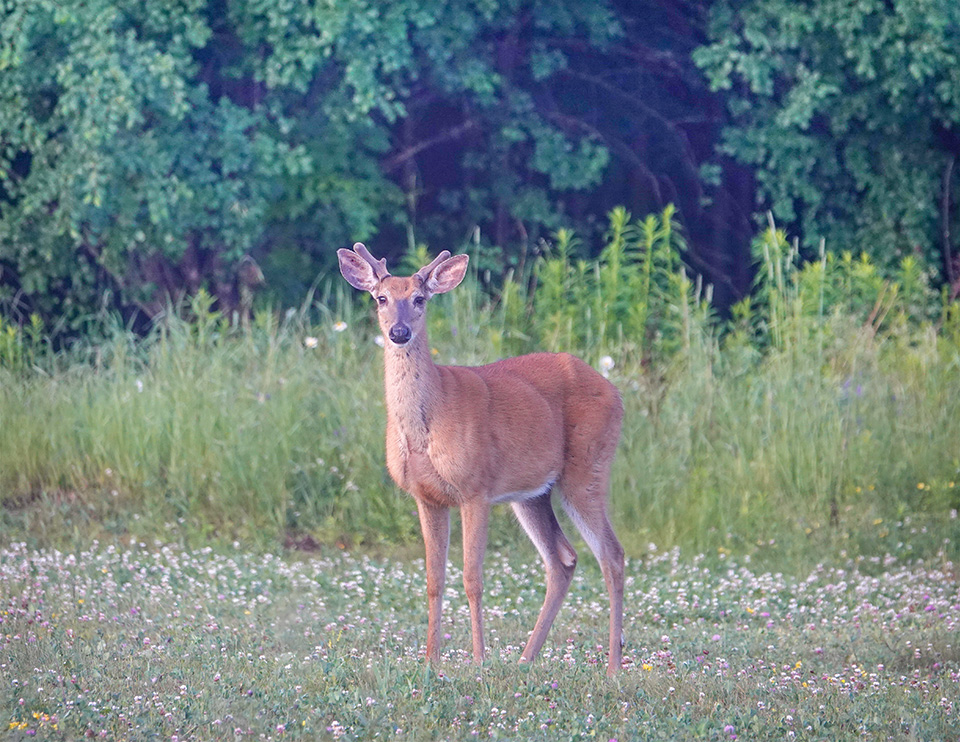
(401, 302)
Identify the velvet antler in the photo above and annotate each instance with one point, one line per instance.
(424, 273)
(379, 266)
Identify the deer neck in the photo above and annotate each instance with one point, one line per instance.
(412, 390)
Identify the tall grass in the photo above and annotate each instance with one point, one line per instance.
(205, 428)
(823, 411)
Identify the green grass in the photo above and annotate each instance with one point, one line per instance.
(141, 642)
(824, 406)
(203, 431)
(809, 447)
(273, 435)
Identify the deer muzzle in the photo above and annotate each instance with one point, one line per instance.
(399, 334)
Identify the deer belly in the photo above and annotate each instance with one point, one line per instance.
(521, 495)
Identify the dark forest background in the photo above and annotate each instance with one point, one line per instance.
(149, 149)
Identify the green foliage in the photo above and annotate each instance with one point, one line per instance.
(849, 113)
(21, 346)
(409, 75)
(793, 298)
(821, 405)
(115, 163)
(633, 300)
(146, 148)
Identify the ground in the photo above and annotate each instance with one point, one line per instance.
(141, 641)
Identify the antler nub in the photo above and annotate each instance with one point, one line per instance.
(425, 272)
(379, 266)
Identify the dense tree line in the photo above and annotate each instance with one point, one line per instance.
(155, 147)
(849, 114)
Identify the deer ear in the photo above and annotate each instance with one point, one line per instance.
(448, 275)
(358, 272)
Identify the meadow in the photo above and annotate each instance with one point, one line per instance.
(200, 540)
(138, 641)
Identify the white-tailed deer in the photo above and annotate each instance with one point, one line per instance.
(512, 431)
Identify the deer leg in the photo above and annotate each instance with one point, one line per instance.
(611, 563)
(475, 517)
(584, 488)
(435, 525)
(559, 557)
(594, 525)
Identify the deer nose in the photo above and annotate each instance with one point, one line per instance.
(399, 334)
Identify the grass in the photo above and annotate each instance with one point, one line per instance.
(273, 435)
(809, 447)
(203, 431)
(141, 641)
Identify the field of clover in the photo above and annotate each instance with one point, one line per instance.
(199, 539)
(150, 641)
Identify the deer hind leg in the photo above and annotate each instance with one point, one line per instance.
(539, 521)
(584, 487)
(584, 498)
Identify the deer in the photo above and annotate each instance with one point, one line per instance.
(514, 431)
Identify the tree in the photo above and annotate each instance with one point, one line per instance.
(152, 148)
(116, 171)
(850, 114)
(515, 117)
(446, 89)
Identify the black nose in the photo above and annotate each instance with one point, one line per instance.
(399, 334)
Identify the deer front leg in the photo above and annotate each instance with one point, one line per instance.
(475, 517)
(435, 526)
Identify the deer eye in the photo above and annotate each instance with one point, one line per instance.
(382, 300)
(419, 301)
